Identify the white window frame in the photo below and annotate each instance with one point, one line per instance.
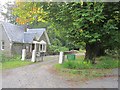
(2, 45)
(42, 47)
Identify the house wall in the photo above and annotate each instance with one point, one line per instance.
(3, 37)
(17, 48)
(43, 38)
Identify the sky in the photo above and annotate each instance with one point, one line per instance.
(2, 2)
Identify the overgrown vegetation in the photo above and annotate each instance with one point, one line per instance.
(13, 62)
(56, 49)
(103, 62)
(95, 24)
(84, 70)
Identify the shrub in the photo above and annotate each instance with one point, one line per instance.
(113, 53)
(14, 58)
(56, 49)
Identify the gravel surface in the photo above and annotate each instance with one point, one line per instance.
(33, 76)
(39, 76)
(108, 82)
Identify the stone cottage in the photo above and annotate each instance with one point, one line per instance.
(14, 38)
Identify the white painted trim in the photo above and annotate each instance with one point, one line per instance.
(41, 42)
(10, 45)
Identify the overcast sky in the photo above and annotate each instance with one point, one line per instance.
(2, 2)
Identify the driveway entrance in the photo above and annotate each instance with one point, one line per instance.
(39, 75)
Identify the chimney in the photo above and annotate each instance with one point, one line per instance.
(25, 27)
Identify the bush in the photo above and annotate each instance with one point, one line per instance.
(113, 53)
(14, 58)
(56, 49)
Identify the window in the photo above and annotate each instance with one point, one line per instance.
(2, 45)
(42, 48)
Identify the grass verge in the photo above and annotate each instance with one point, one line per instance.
(82, 70)
(13, 62)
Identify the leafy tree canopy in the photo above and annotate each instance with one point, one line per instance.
(94, 23)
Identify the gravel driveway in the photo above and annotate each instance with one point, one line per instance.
(38, 76)
(33, 76)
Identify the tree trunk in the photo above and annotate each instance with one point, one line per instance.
(91, 52)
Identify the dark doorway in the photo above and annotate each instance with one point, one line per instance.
(33, 45)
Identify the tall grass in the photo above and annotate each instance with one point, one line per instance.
(83, 70)
(13, 62)
(102, 63)
(14, 58)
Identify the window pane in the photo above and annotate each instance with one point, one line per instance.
(2, 45)
(41, 47)
(2, 42)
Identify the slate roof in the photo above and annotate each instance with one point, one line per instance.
(28, 37)
(17, 33)
(33, 33)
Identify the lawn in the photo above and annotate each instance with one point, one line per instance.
(83, 70)
(103, 62)
(14, 62)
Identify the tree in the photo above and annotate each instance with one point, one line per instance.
(86, 22)
(111, 12)
(29, 12)
(33, 15)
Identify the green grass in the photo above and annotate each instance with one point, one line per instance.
(102, 63)
(107, 63)
(13, 62)
(87, 70)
